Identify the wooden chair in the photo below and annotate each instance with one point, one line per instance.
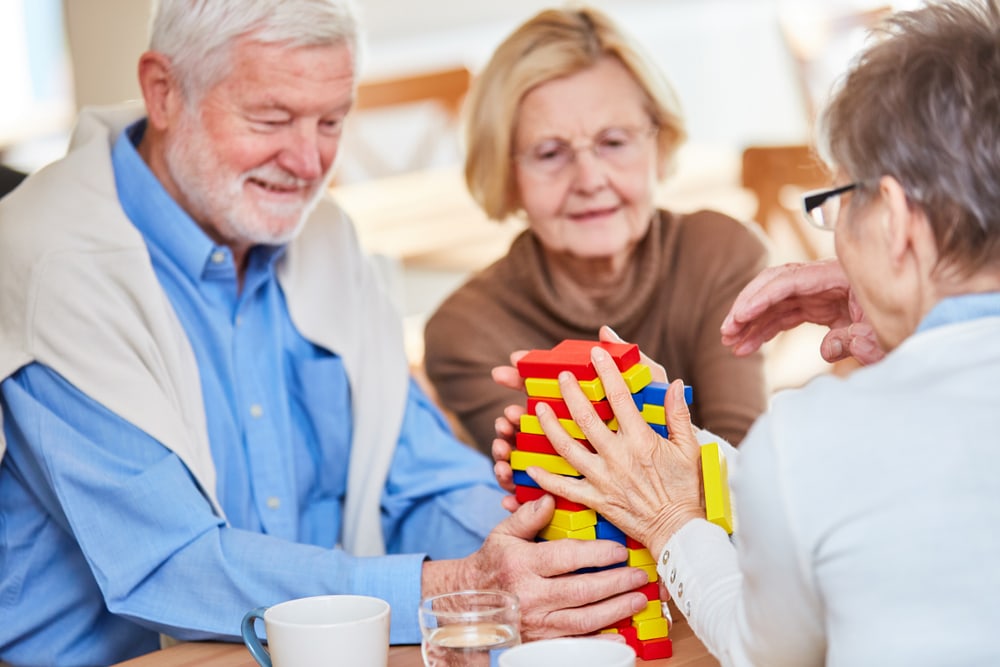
(777, 175)
(820, 46)
(428, 103)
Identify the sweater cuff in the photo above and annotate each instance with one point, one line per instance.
(698, 566)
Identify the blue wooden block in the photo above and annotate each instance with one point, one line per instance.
(605, 530)
(661, 429)
(521, 478)
(637, 397)
(656, 393)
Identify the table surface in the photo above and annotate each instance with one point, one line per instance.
(688, 652)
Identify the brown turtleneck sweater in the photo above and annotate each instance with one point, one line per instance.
(688, 271)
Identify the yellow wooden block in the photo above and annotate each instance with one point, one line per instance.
(637, 557)
(549, 388)
(653, 628)
(551, 532)
(652, 610)
(573, 520)
(715, 475)
(650, 570)
(636, 378)
(654, 414)
(530, 424)
(556, 464)
(609, 631)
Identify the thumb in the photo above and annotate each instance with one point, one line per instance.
(529, 519)
(678, 416)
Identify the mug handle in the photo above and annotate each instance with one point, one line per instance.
(250, 638)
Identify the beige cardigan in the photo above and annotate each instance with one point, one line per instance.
(79, 295)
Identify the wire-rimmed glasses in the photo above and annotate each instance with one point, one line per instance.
(617, 147)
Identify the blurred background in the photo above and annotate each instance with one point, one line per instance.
(750, 75)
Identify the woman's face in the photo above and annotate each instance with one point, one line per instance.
(586, 162)
(863, 248)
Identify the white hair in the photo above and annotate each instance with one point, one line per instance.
(197, 35)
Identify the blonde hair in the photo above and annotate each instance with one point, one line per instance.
(553, 44)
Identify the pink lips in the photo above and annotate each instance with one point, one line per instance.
(593, 214)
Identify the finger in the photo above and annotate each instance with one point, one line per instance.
(528, 520)
(507, 376)
(516, 355)
(504, 475)
(509, 503)
(585, 618)
(573, 489)
(608, 335)
(504, 429)
(679, 417)
(566, 446)
(501, 450)
(566, 556)
(618, 396)
(835, 345)
(864, 345)
(512, 413)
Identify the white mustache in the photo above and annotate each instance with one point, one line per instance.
(277, 177)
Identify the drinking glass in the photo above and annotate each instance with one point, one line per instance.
(468, 628)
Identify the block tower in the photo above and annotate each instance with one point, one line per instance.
(647, 631)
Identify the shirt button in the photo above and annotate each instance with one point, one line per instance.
(687, 608)
(673, 575)
(218, 257)
(680, 590)
(666, 556)
(239, 320)
(274, 502)
(256, 411)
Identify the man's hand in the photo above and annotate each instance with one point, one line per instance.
(783, 297)
(554, 601)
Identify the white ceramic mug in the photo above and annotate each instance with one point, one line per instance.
(350, 630)
(576, 651)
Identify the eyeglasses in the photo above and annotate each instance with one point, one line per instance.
(616, 147)
(821, 207)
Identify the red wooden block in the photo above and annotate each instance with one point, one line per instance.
(535, 442)
(602, 408)
(650, 590)
(631, 637)
(526, 494)
(654, 649)
(574, 356)
(633, 544)
(623, 623)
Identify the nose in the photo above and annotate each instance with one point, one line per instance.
(302, 155)
(590, 172)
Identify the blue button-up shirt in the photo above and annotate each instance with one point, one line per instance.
(105, 540)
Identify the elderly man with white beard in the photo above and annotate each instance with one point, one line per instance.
(206, 405)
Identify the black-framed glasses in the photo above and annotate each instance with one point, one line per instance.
(822, 207)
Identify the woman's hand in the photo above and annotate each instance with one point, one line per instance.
(783, 297)
(646, 485)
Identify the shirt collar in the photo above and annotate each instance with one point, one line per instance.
(168, 227)
(962, 308)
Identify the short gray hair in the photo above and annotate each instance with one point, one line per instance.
(197, 35)
(922, 105)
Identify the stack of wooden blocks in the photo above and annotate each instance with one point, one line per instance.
(646, 632)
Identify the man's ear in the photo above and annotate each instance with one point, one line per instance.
(160, 89)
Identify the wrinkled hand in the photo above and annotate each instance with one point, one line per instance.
(646, 485)
(554, 601)
(506, 425)
(783, 297)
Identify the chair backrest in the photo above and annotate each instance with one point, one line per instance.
(404, 123)
(778, 175)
